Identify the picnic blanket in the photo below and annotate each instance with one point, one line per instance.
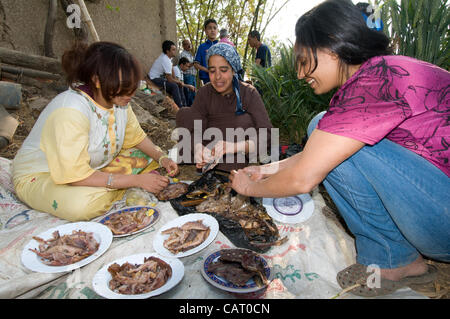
(304, 267)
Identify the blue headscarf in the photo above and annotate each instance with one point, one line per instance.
(230, 54)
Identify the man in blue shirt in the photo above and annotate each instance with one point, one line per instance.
(200, 63)
(263, 55)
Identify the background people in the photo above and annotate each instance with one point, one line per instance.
(263, 55)
(223, 35)
(161, 73)
(190, 74)
(183, 65)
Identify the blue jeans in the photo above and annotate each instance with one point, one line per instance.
(190, 96)
(394, 201)
(171, 88)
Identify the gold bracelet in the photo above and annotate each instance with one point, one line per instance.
(110, 181)
(161, 158)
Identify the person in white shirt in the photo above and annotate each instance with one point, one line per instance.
(161, 73)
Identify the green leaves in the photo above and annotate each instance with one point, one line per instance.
(291, 103)
(110, 7)
(238, 16)
(419, 29)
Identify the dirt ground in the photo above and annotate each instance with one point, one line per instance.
(160, 135)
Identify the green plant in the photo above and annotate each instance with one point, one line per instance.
(419, 29)
(290, 103)
(112, 8)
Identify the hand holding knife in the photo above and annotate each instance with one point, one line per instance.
(210, 165)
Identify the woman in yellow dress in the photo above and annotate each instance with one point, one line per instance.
(87, 147)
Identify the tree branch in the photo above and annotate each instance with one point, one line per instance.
(50, 28)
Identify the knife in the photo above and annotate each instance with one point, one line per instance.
(209, 165)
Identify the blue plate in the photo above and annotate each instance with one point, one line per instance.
(224, 284)
(132, 209)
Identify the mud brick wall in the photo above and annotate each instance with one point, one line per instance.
(139, 25)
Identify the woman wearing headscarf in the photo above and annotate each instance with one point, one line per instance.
(227, 116)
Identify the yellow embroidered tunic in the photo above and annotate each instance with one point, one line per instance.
(72, 138)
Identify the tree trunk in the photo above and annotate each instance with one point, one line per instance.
(23, 80)
(253, 25)
(35, 62)
(30, 73)
(241, 15)
(270, 18)
(89, 21)
(50, 28)
(190, 36)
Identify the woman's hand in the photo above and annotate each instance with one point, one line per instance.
(153, 183)
(255, 173)
(202, 155)
(241, 182)
(170, 166)
(221, 148)
(190, 87)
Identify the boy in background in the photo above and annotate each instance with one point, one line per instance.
(200, 63)
(178, 71)
(190, 75)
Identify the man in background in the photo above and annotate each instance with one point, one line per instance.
(263, 55)
(161, 73)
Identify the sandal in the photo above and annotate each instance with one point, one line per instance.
(354, 279)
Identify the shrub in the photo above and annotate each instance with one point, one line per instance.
(291, 103)
(419, 29)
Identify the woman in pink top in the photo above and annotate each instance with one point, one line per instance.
(381, 150)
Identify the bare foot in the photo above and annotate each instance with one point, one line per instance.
(416, 268)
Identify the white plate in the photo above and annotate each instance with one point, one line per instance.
(102, 235)
(224, 284)
(101, 280)
(290, 210)
(211, 222)
(155, 217)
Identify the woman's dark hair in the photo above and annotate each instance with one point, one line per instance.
(105, 60)
(166, 45)
(339, 26)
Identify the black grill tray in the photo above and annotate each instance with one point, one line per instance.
(231, 229)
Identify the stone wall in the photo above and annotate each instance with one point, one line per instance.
(139, 25)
